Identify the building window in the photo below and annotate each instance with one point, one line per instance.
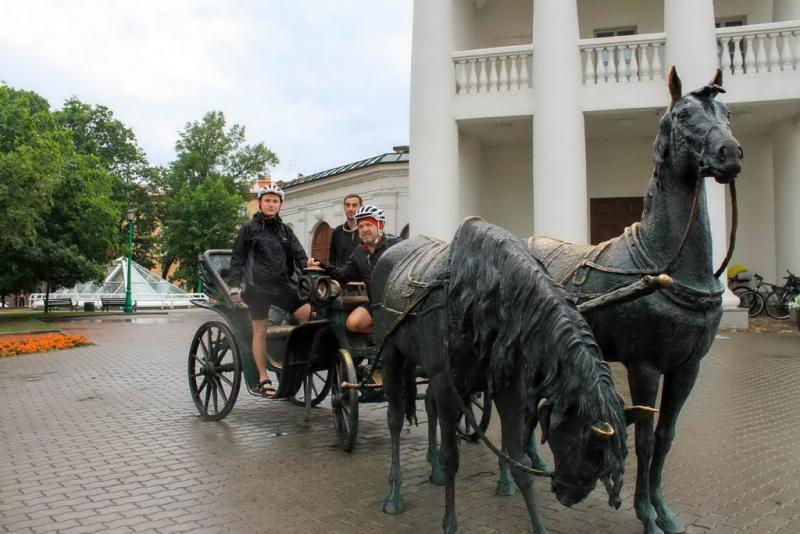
(622, 56)
(730, 22)
(321, 242)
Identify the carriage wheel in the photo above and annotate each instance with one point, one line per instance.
(345, 401)
(777, 303)
(215, 372)
(318, 382)
(480, 404)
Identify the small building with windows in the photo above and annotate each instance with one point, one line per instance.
(313, 205)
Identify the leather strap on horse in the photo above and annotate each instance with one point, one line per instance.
(734, 224)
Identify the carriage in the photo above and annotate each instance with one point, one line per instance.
(311, 360)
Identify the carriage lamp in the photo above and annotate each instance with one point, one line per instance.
(128, 307)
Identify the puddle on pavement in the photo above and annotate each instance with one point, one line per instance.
(122, 319)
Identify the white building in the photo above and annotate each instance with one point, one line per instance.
(539, 115)
(313, 205)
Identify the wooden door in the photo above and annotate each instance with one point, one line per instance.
(321, 242)
(610, 216)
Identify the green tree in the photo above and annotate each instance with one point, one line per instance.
(57, 220)
(204, 188)
(95, 131)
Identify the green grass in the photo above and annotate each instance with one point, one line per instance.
(40, 315)
(22, 325)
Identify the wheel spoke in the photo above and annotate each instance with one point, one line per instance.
(208, 397)
(198, 360)
(205, 348)
(221, 389)
(221, 354)
(214, 394)
(225, 378)
(203, 384)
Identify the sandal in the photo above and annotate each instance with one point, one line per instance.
(264, 389)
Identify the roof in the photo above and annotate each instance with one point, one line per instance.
(390, 157)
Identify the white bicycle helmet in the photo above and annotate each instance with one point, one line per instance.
(370, 212)
(271, 190)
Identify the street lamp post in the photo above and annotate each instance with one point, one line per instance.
(128, 307)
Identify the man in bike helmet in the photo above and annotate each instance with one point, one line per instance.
(358, 268)
(264, 258)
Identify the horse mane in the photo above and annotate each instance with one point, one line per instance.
(520, 320)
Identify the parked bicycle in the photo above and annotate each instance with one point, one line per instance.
(750, 296)
(777, 302)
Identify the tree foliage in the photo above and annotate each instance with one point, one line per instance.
(204, 188)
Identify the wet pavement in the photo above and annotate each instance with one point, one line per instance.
(106, 438)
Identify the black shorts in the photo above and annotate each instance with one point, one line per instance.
(258, 302)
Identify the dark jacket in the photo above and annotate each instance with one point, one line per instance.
(265, 254)
(361, 262)
(343, 243)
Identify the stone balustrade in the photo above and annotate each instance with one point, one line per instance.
(759, 48)
(624, 59)
(488, 70)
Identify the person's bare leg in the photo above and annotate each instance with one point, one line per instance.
(260, 348)
(303, 313)
(359, 321)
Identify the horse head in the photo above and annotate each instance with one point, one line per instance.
(585, 450)
(695, 133)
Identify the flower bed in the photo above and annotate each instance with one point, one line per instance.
(46, 343)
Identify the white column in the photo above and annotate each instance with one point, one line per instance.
(786, 161)
(785, 10)
(433, 168)
(692, 49)
(560, 204)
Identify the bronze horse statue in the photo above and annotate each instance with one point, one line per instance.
(481, 312)
(666, 333)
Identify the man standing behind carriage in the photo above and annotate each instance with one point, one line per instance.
(345, 236)
(265, 255)
(358, 268)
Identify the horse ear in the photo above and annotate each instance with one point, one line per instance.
(717, 79)
(544, 419)
(675, 86)
(635, 414)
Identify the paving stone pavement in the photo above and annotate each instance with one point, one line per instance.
(106, 438)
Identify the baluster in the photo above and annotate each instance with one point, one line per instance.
(503, 78)
(761, 54)
(602, 70)
(634, 65)
(725, 55)
(482, 75)
(644, 65)
(749, 55)
(796, 50)
(658, 70)
(493, 73)
(513, 79)
(588, 72)
(786, 51)
(624, 65)
(524, 76)
(461, 76)
(737, 55)
(472, 84)
(774, 57)
(612, 63)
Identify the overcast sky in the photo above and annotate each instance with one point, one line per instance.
(321, 82)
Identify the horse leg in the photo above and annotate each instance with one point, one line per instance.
(510, 405)
(448, 416)
(392, 369)
(531, 449)
(436, 477)
(677, 387)
(643, 383)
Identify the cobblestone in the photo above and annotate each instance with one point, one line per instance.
(106, 438)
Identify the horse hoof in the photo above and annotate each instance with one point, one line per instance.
(437, 479)
(504, 488)
(393, 506)
(670, 524)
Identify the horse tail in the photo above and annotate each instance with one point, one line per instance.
(410, 391)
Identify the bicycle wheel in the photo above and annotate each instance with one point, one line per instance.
(777, 303)
(752, 301)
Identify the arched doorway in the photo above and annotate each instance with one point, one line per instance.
(321, 242)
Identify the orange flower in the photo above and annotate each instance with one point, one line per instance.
(46, 343)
